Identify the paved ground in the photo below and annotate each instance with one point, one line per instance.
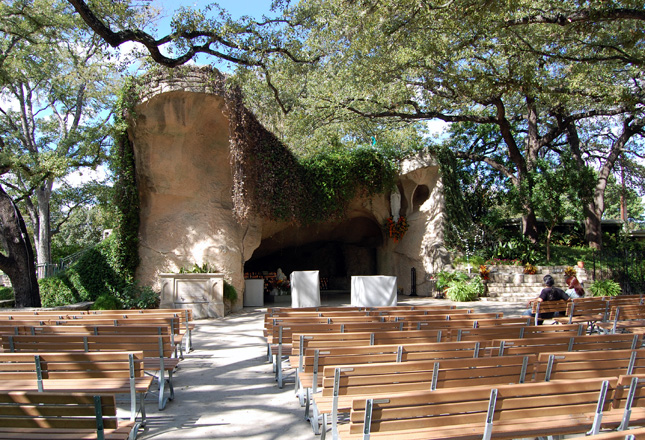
(225, 388)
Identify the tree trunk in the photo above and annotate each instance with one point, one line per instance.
(43, 233)
(18, 264)
(529, 226)
(593, 226)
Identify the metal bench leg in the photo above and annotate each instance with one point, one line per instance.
(142, 408)
(162, 387)
(323, 427)
(314, 420)
(307, 400)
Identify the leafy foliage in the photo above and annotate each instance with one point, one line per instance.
(466, 290)
(446, 278)
(6, 293)
(126, 194)
(230, 293)
(94, 275)
(57, 291)
(605, 288)
(107, 302)
(269, 179)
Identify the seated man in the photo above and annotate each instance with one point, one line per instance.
(549, 293)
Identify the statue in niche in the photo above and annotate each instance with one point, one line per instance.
(395, 204)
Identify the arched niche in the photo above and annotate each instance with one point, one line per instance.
(404, 200)
(421, 194)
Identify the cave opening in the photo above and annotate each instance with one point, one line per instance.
(338, 251)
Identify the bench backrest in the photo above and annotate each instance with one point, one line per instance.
(173, 323)
(548, 344)
(366, 379)
(315, 360)
(57, 410)
(482, 407)
(515, 332)
(89, 329)
(152, 346)
(72, 365)
(584, 364)
(626, 312)
(597, 307)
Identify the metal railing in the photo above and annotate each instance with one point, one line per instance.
(51, 269)
(625, 266)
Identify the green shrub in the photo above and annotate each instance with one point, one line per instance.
(93, 276)
(107, 302)
(134, 296)
(57, 291)
(230, 294)
(605, 288)
(465, 290)
(204, 268)
(445, 278)
(6, 293)
(474, 261)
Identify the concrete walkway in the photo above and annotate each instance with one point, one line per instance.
(225, 387)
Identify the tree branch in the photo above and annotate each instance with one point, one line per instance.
(564, 19)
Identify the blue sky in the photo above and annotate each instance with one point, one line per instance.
(237, 8)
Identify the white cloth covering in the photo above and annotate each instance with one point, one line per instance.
(305, 288)
(254, 293)
(373, 291)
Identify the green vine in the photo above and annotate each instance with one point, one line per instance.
(126, 195)
(268, 179)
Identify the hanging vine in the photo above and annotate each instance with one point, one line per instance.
(268, 179)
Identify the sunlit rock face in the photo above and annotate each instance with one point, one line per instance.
(180, 135)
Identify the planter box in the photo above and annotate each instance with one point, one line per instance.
(203, 293)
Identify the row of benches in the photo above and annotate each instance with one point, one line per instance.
(501, 411)
(86, 355)
(498, 369)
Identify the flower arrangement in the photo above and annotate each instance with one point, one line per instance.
(529, 269)
(569, 271)
(484, 272)
(283, 287)
(397, 229)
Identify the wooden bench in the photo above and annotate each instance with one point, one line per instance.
(541, 308)
(585, 364)
(628, 403)
(500, 412)
(624, 318)
(279, 342)
(183, 318)
(157, 351)
(589, 310)
(97, 372)
(38, 416)
(273, 310)
(548, 344)
(514, 332)
(171, 322)
(309, 379)
(628, 434)
(342, 385)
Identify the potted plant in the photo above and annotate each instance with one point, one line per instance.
(230, 296)
(569, 271)
(530, 269)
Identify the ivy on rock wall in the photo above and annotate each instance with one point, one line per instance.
(269, 180)
(126, 194)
